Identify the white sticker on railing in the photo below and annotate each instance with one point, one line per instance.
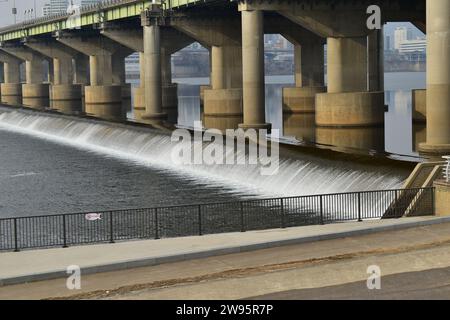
(93, 216)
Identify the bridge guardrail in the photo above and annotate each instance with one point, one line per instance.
(200, 219)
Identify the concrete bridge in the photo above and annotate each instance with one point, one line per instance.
(86, 56)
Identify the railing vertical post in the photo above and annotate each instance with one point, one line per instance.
(242, 217)
(156, 224)
(359, 207)
(111, 227)
(16, 242)
(396, 204)
(283, 221)
(321, 210)
(64, 232)
(199, 219)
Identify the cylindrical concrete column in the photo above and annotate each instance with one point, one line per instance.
(110, 94)
(12, 72)
(62, 69)
(253, 70)
(298, 65)
(100, 67)
(217, 68)
(438, 77)
(141, 69)
(153, 82)
(347, 64)
(66, 92)
(33, 71)
(139, 93)
(11, 93)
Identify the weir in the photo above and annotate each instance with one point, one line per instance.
(299, 174)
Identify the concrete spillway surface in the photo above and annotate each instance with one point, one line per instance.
(57, 164)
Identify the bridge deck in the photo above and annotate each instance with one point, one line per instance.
(90, 15)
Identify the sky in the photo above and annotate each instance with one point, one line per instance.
(6, 17)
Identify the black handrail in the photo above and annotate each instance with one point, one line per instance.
(207, 218)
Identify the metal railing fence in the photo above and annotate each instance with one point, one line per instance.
(208, 218)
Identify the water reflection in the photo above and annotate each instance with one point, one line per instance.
(360, 138)
(36, 103)
(300, 126)
(396, 137)
(222, 122)
(112, 111)
(70, 107)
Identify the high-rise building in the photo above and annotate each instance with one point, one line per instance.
(401, 34)
(86, 2)
(412, 46)
(387, 43)
(60, 6)
(55, 7)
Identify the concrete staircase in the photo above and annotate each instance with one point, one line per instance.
(411, 201)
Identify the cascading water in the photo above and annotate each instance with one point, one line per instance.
(303, 175)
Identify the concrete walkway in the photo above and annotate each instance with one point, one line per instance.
(28, 266)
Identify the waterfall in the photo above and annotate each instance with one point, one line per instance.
(304, 174)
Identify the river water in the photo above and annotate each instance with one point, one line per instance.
(55, 164)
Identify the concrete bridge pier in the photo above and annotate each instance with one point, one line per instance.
(309, 78)
(170, 41)
(101, 89)
(224, 97)
(131, 38)
(438, 78)
(253, 70)
(101, 93)
(152, 72)
(308, 62)
(138, 93)
(354, 94)
(63, 87)
(35, 93)
(11, 88)
(348, 101)
(220, 33)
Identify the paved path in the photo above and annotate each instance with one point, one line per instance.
(36, 265)
(429, 284)
(261, 272)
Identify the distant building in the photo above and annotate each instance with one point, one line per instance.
(401, 34)
(86, 2)
(387, 43)
(412, 46)
(60, 6)
(55, 7)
